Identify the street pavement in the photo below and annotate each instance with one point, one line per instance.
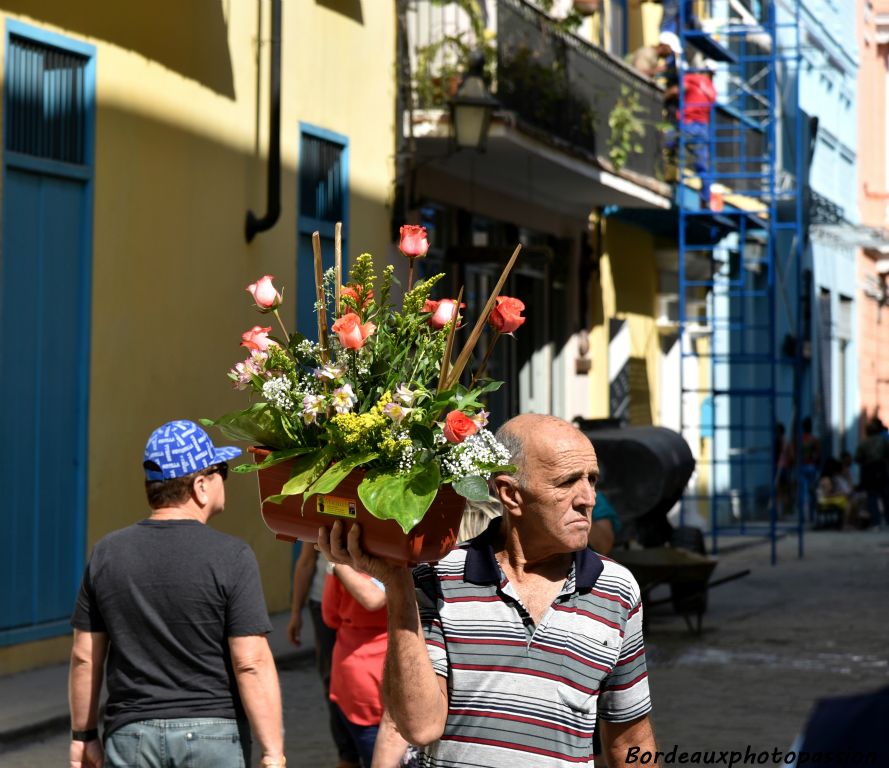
(772, 643)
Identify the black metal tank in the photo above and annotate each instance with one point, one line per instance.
(643, 471)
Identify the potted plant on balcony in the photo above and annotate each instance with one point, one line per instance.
(371, 422)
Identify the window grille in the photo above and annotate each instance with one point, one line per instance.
(321, 190)
(45, 101)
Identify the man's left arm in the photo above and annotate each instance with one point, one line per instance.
(84, 687)
(624, 701)
(624, 743)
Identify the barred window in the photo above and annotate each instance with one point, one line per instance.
(45, 101)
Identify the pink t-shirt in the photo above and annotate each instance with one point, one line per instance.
(356, 673)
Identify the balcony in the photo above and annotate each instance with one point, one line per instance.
(579, 124)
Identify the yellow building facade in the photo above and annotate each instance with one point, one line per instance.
(180, 119)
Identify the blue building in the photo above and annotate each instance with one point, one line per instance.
(828, 98)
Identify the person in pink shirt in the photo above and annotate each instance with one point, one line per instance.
(354, 605)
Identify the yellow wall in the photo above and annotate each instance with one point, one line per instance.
(626, 289)
(181, 130)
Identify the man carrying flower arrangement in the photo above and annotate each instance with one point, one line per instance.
(505, 652)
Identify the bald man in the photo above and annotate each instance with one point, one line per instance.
(505, 652)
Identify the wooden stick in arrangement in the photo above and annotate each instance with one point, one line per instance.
(449, 347)
(337, 265)
(319, 296)
(463, 358)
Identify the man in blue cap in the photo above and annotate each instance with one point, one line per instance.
(173, 611)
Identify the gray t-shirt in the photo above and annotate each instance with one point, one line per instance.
(169, 594)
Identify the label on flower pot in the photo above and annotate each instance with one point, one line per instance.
(337, 506)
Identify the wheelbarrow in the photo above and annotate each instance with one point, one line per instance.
(688, 574)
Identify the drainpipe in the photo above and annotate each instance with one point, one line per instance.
(254, 225)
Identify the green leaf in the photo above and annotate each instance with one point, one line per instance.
(474, 488)
(275, 457)
(336, 474)
(258, 424)
(305, 471)
(422, 433)
(405, 497)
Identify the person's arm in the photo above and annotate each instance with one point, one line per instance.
(389, 748)
(331, 603)
(303, 573)
(260, 692)
(85, 674)
(416, 697)
(368, 595)
(619, 738)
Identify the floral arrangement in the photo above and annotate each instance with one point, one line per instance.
(377, 391)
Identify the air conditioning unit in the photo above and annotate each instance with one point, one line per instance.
(667, 309)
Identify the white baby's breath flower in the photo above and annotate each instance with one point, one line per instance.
(279, 393)
(475, 452)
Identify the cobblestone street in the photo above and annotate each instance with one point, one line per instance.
(772, 643)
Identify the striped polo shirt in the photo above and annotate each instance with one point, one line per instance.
(526, 695)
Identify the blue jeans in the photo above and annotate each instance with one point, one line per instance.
(325, 637)
(697, 145)
(199, 742)
(876, 496)
(364, 736)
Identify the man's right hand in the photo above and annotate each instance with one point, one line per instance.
(294, 627)
(86, 754)
(347, 551)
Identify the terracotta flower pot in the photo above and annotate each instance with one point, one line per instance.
(430, 540)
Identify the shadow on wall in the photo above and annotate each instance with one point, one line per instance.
(348, 8)
(190, 38)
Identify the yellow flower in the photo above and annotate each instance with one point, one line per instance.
(356, 431)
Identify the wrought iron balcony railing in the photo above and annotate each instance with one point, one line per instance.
(561, 89)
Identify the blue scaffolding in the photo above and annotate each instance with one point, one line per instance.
(741, 252)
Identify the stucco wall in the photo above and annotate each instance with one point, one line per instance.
(181, 133)
(626, 289)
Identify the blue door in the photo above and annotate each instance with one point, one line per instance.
(44, 329)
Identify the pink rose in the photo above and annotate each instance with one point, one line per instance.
(257, 339)
(458, 426)
(352, 334)
(442, 312)
(507, 315)
(414, 241)
(354, 293)
(264, 293)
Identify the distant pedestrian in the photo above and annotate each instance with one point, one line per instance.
(782, 455)
(810, 461)
(172, 613)
(309, 578)
(873, 457)
(354, 605)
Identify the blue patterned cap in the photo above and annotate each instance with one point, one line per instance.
(179, 448)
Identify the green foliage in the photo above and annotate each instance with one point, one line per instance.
(626, 128)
